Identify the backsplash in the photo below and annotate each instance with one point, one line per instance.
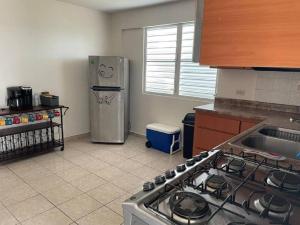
(278, 87)
(263, 86)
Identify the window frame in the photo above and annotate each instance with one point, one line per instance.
(177, 65)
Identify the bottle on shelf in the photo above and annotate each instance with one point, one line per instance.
(24, 119)
(8, 121)
(45, 116)
(56, 113)
(38, 116)
(31, 118)
(50, 114)
(2, 122)
(16, 120)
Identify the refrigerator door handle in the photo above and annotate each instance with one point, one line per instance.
(103, 88)
(106, 98)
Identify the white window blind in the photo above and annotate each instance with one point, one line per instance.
(168, 63)
(160, 59)
(195, 80)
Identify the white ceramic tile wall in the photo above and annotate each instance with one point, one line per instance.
(278, 87)
(273, 87)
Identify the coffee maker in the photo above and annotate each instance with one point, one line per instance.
(19, 97)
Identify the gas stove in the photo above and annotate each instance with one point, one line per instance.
(216, 188)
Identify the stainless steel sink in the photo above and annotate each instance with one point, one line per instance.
(281, 133)
(273, 140)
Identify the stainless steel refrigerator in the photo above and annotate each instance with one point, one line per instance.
(109, 99)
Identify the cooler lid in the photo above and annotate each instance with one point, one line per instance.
(163, 128)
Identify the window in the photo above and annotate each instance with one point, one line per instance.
(168, 63)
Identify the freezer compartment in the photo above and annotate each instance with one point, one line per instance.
(108, 121)
(108, 71)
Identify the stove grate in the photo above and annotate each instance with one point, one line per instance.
(267, 208)
(218, 192)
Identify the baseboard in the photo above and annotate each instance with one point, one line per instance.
(137, 134)
(85, 135)
(75, 137)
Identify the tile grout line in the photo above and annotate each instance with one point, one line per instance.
(95, 211)
(38, 193)
(108, 181)
(110, 164)
(22, 200)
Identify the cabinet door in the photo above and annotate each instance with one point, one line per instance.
(218, 123)
(247, 125)
(207, 139)
(250, 33)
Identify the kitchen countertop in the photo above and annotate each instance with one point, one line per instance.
(270, 117)
(264, 116)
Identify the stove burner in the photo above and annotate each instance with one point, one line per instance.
(235, 165)
(216, 182)
(217, 185)
(284, 180)
(274, 203)
(188, 205)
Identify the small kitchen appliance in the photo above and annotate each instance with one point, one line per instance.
(49, 100)
(19, 97)
(109, 98)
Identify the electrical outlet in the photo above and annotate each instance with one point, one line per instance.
(240, 92)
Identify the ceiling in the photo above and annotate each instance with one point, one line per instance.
(115, 5)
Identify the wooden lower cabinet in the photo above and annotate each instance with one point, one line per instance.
(208, 139)
(213, 129)
(247, 125)
(218, 123)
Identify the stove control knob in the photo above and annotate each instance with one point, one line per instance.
(170, 174)
(160, 179)
(180, 168)
(148, 186)
(204, 154)
(190, 162)
(197, 158)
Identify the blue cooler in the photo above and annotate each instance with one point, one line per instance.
(163, 137)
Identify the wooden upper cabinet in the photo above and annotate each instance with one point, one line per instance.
(251, 33)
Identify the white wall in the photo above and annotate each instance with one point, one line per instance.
(274, 87)
(128, 41)
(45, 44)
(127, 36)
(176, 12)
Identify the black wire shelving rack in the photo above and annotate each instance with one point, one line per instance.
(30, 139)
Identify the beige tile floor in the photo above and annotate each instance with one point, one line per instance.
(85, 184)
